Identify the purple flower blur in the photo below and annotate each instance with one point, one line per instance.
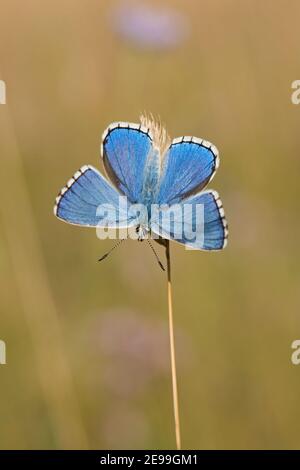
(149, 27)
(138, 349)
(135, 348)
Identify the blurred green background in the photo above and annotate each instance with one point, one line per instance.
(87, 343)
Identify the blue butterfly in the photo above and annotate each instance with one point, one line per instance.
(146, 168)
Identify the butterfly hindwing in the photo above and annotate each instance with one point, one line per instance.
(209, 232)
(125, 150)
(89, 200)
(189, 164)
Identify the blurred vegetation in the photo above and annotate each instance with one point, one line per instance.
(79, 333)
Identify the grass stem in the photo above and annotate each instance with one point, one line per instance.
(172, 350)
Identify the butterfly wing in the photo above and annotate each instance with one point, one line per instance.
(189, 164)
(89, 200)
(125, 149)
(198, 222)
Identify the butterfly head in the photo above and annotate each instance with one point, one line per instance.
(142, 232)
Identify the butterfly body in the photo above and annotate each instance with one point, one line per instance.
(152, 179)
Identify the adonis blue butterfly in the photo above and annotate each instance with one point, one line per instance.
(147, 169)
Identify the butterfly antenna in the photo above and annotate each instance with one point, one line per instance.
(156, 256)
(109, 252)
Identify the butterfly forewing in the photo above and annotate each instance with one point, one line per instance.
(125, 151)
(189, 165)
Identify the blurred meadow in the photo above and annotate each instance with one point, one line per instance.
(87, 343)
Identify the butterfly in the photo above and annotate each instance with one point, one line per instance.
(145, 167)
